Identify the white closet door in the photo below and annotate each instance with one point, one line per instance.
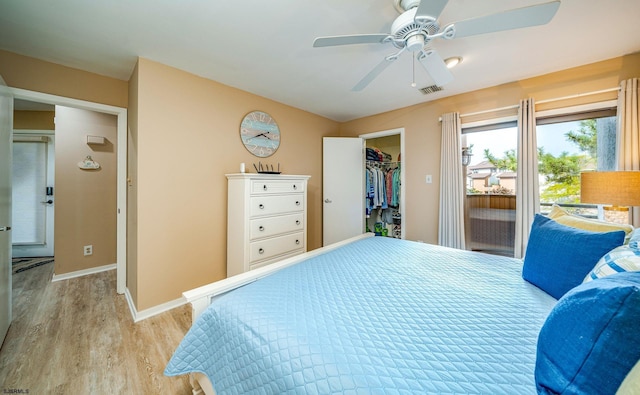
(343, 188)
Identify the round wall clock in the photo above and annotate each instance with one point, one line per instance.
(260, 134)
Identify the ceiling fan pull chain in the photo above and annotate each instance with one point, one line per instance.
(413, 66)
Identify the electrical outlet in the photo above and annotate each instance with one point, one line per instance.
(88, 250)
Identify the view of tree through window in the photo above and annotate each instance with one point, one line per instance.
(593, 141)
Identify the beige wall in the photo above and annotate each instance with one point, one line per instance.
(33, 120)
(37, 75)
(422, 129)
(187, 139)
(85, 207)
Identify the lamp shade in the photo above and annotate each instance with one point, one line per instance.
(617, 188)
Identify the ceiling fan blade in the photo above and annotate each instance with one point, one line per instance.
(372, 75)
(351, 39)
(512, 19)
(435, 66)
(429, 10)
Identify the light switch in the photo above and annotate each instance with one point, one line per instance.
(429, 179)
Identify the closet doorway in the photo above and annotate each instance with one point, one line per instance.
(344, 198)
(384, 183)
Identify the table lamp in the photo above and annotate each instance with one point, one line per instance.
(619, 189)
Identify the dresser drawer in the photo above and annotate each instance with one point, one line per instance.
(270, 226)
(270, 205)
(259, 187)
(265, 249)
(279, 258)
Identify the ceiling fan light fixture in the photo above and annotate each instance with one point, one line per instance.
(453, 61)
(415, 43)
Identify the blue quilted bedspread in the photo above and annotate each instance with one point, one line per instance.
(379, 315)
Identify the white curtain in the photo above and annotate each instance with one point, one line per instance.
(628, 138)
(527, 190)
(452, 184)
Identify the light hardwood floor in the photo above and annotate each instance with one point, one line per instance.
(77, 337)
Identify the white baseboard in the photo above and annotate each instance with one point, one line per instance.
(83, 272)
(137, 315)
(155, 310)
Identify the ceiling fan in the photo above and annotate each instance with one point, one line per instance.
(418, 25)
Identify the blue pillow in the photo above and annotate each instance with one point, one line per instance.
(589, 342)
(559, 257)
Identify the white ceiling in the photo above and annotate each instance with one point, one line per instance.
(265, 47)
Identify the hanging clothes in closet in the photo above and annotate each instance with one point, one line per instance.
(382, 194)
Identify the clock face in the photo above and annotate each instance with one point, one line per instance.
(260, 134)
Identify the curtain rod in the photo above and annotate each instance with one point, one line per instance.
(488, 111)
(579, 95)
(540, 102)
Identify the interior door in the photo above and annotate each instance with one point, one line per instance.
(6, 127)
(343, 188)
(32, 190)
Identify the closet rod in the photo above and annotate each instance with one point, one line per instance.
(381, 164)
(538, 102)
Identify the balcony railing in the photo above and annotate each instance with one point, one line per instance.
(490, 221)
(583, 210)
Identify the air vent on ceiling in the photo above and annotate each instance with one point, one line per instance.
(430, 89)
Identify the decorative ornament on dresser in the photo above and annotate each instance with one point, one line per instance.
(260, 134)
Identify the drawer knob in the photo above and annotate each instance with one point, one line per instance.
(297, 202)
(295, 187)
(261, 251)
(297, 222)
(264, 187)
(261, 228)
(261, 206)
(297, 241)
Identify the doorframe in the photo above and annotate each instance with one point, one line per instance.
(393, 132)
(121, 181)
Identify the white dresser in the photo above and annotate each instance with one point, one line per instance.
(266, 219)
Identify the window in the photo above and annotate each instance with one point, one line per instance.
(567, 145)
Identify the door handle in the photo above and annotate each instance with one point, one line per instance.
(48, 202)
(327, 200)
(4, 228)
